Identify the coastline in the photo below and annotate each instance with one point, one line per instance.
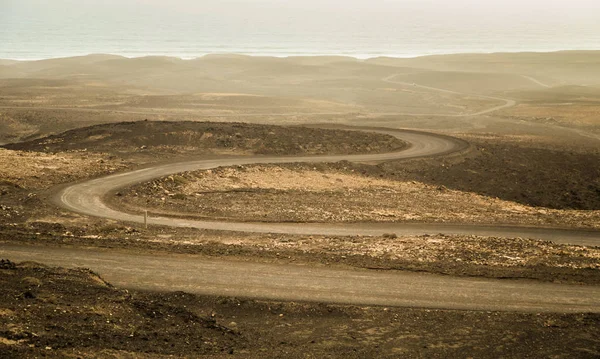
(286, 55)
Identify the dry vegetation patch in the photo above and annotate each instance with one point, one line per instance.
(299, 193)
(459, 255)
(566, 114)
(466, 251)
(12, 129)
(233, 103)
(35, 170)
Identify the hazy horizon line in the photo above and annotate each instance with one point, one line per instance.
(295, 55)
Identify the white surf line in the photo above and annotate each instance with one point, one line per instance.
(534, 80)
(507, 102)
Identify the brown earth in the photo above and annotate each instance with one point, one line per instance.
(26, 175)
(488, 257)
(586, 116)
(506, 180)
(527, 171)
(551, 163)
(36, 170)
(28, 169)
(168, 140)
(566, 106)
(57, 313)
(44, 97)
(302, 193)
(27, 215)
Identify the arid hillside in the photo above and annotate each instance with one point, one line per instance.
(554, 93)
(125, 164)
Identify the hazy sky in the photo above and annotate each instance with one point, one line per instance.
(306, 13)
(564, 23)
(584, 8)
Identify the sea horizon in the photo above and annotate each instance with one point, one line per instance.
(37, 29)
(291, 54)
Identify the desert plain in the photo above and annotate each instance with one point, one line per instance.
(487, 248)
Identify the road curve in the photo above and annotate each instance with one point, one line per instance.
(200, 275)
(507, 102)
(388, 79)
(87, 198)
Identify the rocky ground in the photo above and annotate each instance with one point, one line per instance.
(74, 313)
(401, 191)
(440, 254)
(156, 140)
(319, 193)
(29, 170)
(93, 151)
(36, 170)
(58, 313)
(567, 105)
(509, 180)
(534, 171)
(51, 312)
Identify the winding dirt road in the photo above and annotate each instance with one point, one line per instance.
(87, 198)
(201, 275)
(507, 102)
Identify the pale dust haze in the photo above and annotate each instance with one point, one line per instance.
(300, 179)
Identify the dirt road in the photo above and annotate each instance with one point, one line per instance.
(388, 79)
(194, 274)
(507, 102)
(87, 198)
(307, 283)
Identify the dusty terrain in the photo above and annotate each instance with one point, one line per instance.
(35, 170)
(38, 98)
(565, 105)
(290, 192)
(27, 175)
(92, 151)
(298, 193)
(489, 257)
(57, 313)
(502, 180)
(170, 140)
(531, 171)
(534, 164)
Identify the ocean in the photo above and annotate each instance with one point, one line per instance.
(41, 29)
